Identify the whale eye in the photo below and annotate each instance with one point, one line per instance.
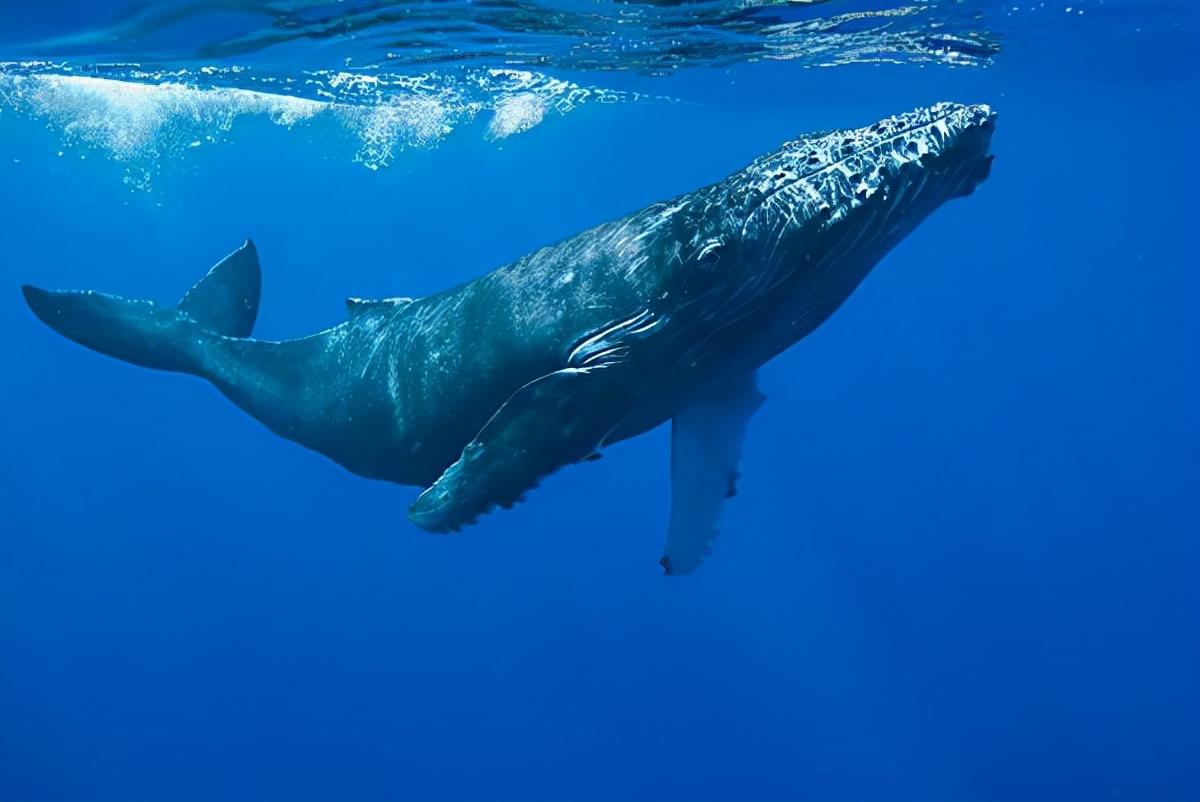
(709, 255)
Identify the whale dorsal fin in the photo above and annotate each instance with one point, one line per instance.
(706, 446)
(360, 306)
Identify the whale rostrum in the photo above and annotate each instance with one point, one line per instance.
(478, 392)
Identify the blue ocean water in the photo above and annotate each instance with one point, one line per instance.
(963, 562)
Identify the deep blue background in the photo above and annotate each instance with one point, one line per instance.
(963, 564)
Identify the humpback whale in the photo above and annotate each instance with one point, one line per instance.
(478, 392)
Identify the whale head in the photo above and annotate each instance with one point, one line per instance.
(786, 240)
(820, 197)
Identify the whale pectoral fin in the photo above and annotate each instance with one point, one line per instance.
(706, 446)
(553, 421)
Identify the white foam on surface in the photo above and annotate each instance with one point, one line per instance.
(145, 119)
(129, 119)
(398, 123)
(515, 114)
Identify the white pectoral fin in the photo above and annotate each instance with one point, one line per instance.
(706, 446)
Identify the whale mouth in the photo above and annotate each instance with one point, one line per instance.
(931, 162)
(965, 143)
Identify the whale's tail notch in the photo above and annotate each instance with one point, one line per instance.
(223, 303)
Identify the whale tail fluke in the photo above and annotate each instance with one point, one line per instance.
(224, 303)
